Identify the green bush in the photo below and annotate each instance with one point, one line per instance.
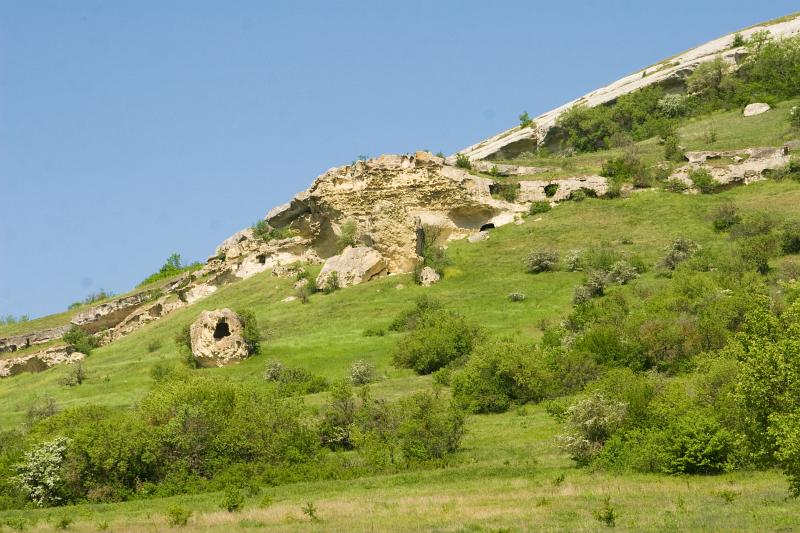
(703, 181)
(348, 235)
(726, 216)
(545, 260)
(40, 475)
(622, 272)
(250, 333)
(439, 338)
(680, 250)
(790, 237)
(500, 372)
(624, 168)
(430, 429)
(699, 445)
(178, 516)
(756, 251)
(462, 161)
(525, 120)
(232, 500)
(540, 206)
(410, 318)
(292, 381)
(172, 267)
(80, 340)
(362, 373)
(794, 117)
(672, 148)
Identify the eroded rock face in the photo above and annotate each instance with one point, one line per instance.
(389, 199)
(746, 166)
(755, 109)
(670, 73)
(217, 338)
(353, 266)
(25, 340)
(109, 314)
(560, 190)
(39, 361)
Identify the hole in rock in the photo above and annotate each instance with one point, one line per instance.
(222, 330)
(262, 259)
(487, 226)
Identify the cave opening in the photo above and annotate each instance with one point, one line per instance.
(490, 225)
(222, 330)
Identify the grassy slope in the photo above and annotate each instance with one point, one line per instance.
(506, 470)
(732, 129)
(505, 474)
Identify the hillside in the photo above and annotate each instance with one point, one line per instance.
(657, 291)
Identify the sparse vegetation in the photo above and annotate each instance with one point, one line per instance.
(172, 267)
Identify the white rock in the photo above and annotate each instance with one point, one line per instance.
(289, 299)
(428, 277)
(353, 266)
(480, 236)
(217, 338)
(756, 109)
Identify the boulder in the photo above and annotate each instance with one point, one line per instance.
(217, 338)
(355, 265)
(480, 236)
(428, 277)
(756, 109)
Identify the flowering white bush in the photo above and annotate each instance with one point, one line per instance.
(590, 422)
(40, 473)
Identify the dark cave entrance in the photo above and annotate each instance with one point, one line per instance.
(222, 330)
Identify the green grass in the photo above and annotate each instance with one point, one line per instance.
(733, 132)
(508, 475)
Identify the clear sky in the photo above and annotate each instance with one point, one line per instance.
(129, 130)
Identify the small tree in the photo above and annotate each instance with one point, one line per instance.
(40, 473)
(544, 260)
(462, 161)
(525, 121)
(703, 181)
(250, 332)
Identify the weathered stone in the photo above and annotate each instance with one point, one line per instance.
(25, 340)
(109, 314)
(755, 109)
(217, 338)
(746, 170)
(480, 236)
(506, 170)
(289, 299)
(669, 73)
(39, 361)
(428, 277)
(562, 189)
(353, 266)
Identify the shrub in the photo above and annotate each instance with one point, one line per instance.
(178, 516)
(331, 283)
(462, 161)
(154, 345)
(80, 340)
(516, 297)
(726, 216)
(550, 190)
(794, 117)
(250, 332)
(544, 260)
(262, 230)
(232, 500)
(362, 372)
(438, 339)
(506, 191)
(525, 120)
(703, 181)
(623, 168)
(707, 77)
(409, 319)
(293, 381)
(590, 422)
(430, 429)
(574, 261)
(310, 510)
(171, 267)
(274, 370)
(756, 251)
(500, 372)
(607, 514)
(578, 195)
(433, 255)
(374, 332)
(672, 148)
(348, 235)
(540, 206)
(675, 185)
(680, 250)
(75, 376)
(698, 445)
(790, 237)
(622, 272)
(738, 40)
(40, 473)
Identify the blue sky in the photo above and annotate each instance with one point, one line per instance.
(129, 130)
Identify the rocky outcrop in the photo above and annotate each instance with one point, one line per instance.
(669, 73)
(746, 166)
(217, 338)
(506, 170)
(755, 109)
(39, 361)
(390, 200)
(109, 314)
(353, 266)
(26, 340)
(562, 189)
